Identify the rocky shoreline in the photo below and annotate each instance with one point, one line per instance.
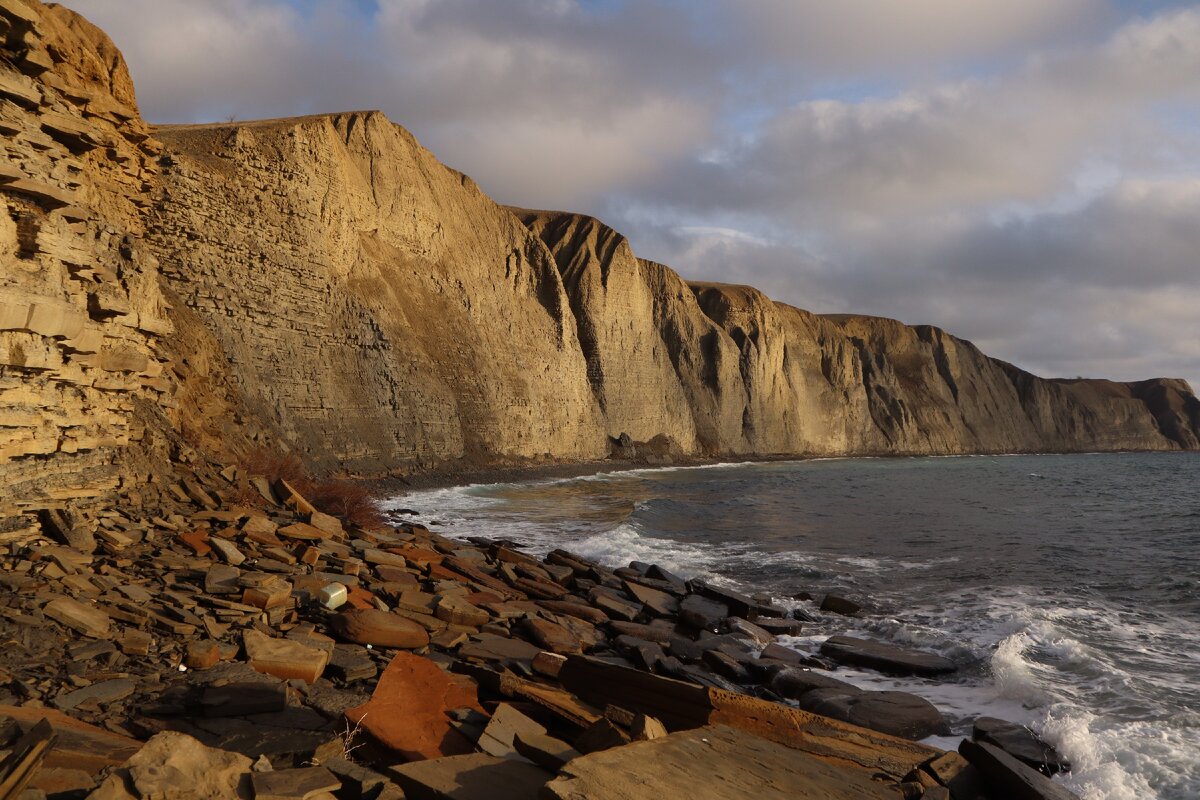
(237, 637)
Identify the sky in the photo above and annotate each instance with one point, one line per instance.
(1021, 173)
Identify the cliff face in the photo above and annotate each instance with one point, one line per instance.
(82, 317)
(376, 308)
(382, 314)
(324, 284)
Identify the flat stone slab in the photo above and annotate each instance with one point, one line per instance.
(283, 658)
(1020, 743)
(895, 713)
(79, 617)
(294, 784)
(80, 745)
(1008, 777)
(710, 763)
(506, 723)
(407, 712)
(885, 657)
(470, 777)
(102, 692)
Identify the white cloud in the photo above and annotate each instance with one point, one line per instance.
(857, 35)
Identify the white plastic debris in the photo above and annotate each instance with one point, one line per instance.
(333, 595)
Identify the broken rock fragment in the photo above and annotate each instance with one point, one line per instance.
(407, 712)
(284, 658)
(379, 628)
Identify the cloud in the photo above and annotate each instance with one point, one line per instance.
(869, 35)
(542, 102)
(962, 145)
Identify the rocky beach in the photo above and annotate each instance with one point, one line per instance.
(267, 649)
(187, 309)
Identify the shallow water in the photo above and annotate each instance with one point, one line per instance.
(1067, 587)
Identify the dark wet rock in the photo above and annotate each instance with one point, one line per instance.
(1020, 743)
(738, 604)
(780, 626)
(726, 666)
(656, 572)
(787, 655)
(660, 634)
(1007, 777)
(646, 655)
(897, 713)
(885, 657)
(703, 613)
(658, 602)
(615, 607)
(748, 630)
(793, 683)
(840, 605)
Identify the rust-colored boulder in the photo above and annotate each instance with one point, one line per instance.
(379, 628)
(407, 712)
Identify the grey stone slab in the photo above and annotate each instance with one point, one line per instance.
(710, 763)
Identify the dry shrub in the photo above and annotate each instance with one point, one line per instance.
(349, 501)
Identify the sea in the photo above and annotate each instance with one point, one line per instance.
(1067, 587)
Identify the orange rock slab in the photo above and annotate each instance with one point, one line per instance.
(407, 712)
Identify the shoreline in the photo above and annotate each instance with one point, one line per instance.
(448, 477)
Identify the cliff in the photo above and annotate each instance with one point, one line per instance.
(325, 285)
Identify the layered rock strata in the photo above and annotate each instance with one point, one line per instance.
(82, 317)
(102, 377)
(324, 285)
(384, 314)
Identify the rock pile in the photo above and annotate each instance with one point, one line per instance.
(261, 648)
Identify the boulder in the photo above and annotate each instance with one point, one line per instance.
(1007, 777)
(840, 605)
(660, 603)
(702, 613)
(174, 764)
(1020, 743)
(793, 683)
(885, 657)
(748, 630)
(379, 628)
(407, 712)
(737, 603)
(896, 713)
(682, 705)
